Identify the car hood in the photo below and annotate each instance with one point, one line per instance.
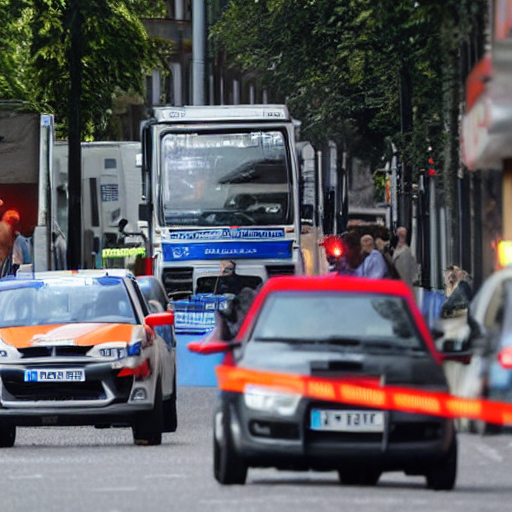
(396, 369)
(85, 334)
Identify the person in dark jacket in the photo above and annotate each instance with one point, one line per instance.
(228, 281)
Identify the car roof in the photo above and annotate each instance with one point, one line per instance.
(97, 272)
(336, 283)
(24, 279)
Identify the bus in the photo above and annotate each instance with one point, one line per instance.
(220, 183)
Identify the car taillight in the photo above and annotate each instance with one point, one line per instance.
(139, 372)
(505, 358)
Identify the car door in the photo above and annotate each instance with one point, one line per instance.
(164, 347)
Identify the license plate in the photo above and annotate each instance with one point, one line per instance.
(51, 375)
(347, 421)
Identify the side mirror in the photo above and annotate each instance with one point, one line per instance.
(144, 212)
(158, 319)
(456, 351)
(211, 347)
(436, 332)
(122, 224)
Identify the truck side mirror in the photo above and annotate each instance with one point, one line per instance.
(144, 212)
(121, 225)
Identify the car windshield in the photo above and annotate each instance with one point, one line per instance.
(368, 320)
(226, 179)
(57, 301)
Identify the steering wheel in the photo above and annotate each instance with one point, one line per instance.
(227, 218)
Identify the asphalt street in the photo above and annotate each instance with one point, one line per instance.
(84, 469)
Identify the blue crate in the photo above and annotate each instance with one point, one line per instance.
(197, 314)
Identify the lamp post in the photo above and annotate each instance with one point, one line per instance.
(74, 249)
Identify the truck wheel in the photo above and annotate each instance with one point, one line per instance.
(148, 426)
(7, 436)
(228, 467)
(442, 478)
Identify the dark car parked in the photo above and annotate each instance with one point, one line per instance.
(333, 327)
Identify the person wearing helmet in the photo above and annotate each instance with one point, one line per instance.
(20, 246)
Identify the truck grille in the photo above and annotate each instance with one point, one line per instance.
(280, 270)
(178, 279)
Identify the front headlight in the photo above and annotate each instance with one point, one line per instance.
(8, 351)
(264, 399)
(112, 350)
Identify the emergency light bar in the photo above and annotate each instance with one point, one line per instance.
(92, 273)
(222, 113)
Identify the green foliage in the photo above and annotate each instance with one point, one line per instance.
(339, 65)
(115, 53)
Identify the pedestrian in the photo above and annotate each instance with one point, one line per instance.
(374, 265)
(228, 281)
(6, 242)
(403, 258)
(383, 245)
(21, 246)
(352, 256)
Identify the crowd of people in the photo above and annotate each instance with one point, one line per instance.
(375, 257)
(14, 247)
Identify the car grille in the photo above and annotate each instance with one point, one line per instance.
(178, 279)
(58, 351)
(274, 430)
(62, 391)
(55, 392)
(415, 431)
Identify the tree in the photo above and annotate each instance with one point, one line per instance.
(116, 53)
(342, 66)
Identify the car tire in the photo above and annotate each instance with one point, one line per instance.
(7, 436)
(171, 412)
(364, 477)
(228, 466)
(443, 477)
(148, 426)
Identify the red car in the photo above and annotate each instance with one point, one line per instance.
(334, 328)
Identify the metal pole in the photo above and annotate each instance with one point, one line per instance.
(198, 51)
(74, 254)
(394, 189)
(434, 253)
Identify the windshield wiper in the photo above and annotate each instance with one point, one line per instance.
(392, 345)
(332, 340)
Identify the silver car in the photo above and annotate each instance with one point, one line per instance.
(81, 348)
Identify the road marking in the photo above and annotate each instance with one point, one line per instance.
(25, 477)
(489, 452)
(166, 475)
(116, 489)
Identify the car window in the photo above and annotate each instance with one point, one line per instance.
(153, 290)
(324, 316)
(58, 301)
(141, 297)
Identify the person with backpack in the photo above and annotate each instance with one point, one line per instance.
(384, 248)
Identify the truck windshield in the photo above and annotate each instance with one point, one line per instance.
(227, 179)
